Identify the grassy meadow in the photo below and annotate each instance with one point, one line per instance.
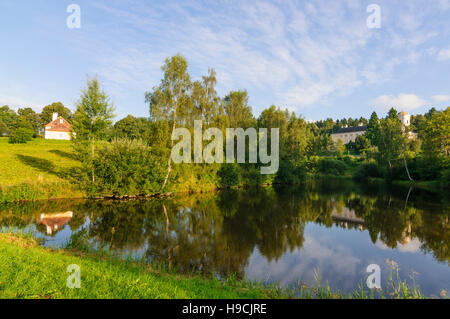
(39, 169)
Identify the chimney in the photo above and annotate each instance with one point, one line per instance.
(55, 116)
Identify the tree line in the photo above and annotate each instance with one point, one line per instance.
(132, 155)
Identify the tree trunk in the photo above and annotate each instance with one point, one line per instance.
(93, 154)
(407, 170)
(169, 164)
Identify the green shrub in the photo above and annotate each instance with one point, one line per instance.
(126, 168)
(252, 176)
(367, 170)
(288, 173)
(21, 136)
(229, 175)
(331, 166)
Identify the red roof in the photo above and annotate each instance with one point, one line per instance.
(58, 125)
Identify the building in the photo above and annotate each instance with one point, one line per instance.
(348, 134)
(57, 129)
(55, 222)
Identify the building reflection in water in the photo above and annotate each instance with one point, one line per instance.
(55, 222)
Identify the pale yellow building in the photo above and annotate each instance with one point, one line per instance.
(348, 134)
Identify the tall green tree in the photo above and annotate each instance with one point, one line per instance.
(47, 112)
(9, 117)
(437, 134)
(91, 120)
(238, 111)
(134, 128)
(373, 129)
(170, 101)
(30, 119)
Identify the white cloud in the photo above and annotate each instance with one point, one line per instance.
(298, 54)
(444, 54)
(411, 247)
(441, 98)
(401, 101)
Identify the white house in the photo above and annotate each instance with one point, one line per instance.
(57, 129)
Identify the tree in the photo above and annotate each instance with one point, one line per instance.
(47, 112)
(9, 117)
(29, 118)
(361, 143)
(392, 114)
(393, 142)
(437, 134)
(373, 129)
(132, 128)
(3, 129)
(238, 111)
(207, 105)
(170, 100)
(21, 136)
(339, 148)
(91, 120)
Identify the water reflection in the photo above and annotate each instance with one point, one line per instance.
(54, 222)
(276, 231)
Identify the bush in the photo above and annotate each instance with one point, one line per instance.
(288, 173)
(21, 136)
(367, 170)
(252, 176)
(332, 167)
(426, 168)
(229, 175)
(126, 168)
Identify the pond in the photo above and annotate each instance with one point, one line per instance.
(272, 234)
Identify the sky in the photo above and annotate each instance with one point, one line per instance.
(318, 58)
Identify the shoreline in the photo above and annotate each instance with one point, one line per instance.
(433, 186)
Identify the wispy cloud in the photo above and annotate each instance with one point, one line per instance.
(441, 98)
(444, 54)
(303, 54)
(401, 101)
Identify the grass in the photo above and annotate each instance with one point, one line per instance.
(30, 271)
(40, 160)
(39, 169)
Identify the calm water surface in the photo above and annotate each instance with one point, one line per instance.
(271, 234)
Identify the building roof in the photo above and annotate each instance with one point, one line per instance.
(403, 113)
(351, 129)
(58, 125)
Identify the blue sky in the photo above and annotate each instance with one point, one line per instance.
(317, 58)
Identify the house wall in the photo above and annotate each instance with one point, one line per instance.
(346, 137)
(52, 135)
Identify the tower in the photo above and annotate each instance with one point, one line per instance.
(405, 119)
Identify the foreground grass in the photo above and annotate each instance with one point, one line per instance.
(30, 271)
(39, 169)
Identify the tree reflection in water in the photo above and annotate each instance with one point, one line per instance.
(218, 232)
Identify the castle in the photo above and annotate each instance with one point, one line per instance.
(349, 134)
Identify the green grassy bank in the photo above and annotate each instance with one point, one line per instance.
(30, 271)
(39, 169)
